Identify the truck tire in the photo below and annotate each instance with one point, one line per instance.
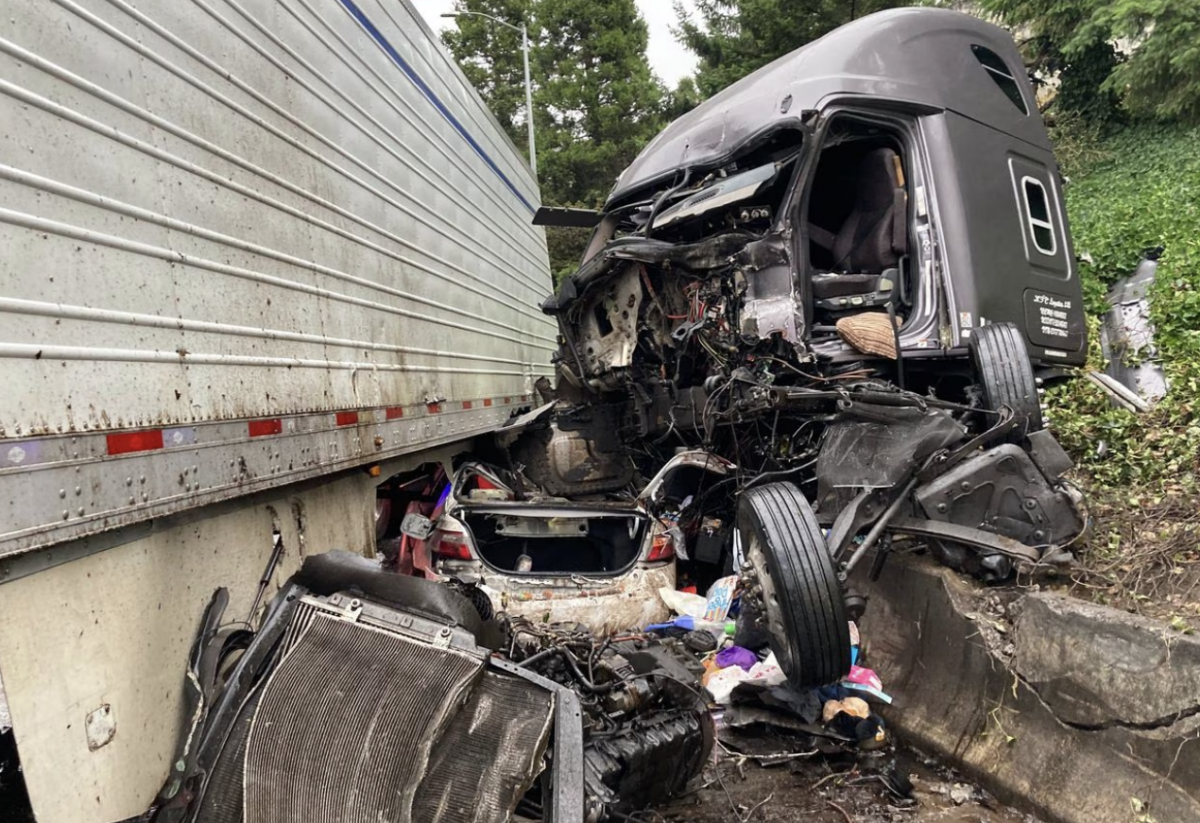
(796, 589)
(1005, 375)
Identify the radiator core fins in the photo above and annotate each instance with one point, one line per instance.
(489, 755)
(346, 725)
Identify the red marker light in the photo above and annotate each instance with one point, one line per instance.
(142, 441)
(260, 428)
(662, 548)
(452, 545)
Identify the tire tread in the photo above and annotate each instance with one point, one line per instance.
(1001, 360)
(810, 595)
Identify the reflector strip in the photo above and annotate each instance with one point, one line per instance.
(142, 441)
(261, 428)
(29, 452)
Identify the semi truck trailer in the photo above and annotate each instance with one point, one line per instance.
(255, 258)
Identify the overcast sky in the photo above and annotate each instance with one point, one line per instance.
(669, 60)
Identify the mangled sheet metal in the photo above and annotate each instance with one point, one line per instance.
(1133, 376)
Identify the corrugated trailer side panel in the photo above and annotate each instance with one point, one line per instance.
(216, 211)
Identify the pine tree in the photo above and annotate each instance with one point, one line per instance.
(602, 102)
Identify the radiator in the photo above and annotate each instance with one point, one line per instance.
(347, 723)
(378, 716)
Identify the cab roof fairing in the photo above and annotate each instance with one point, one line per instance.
(914, 56)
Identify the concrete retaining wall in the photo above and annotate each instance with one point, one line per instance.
(1081, 713)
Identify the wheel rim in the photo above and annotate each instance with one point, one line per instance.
(769, 605)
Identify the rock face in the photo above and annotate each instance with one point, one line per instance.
(1076, 711)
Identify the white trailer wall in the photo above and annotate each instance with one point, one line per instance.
(113, 628)
(215, 210)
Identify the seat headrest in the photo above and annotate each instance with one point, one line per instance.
(876, 180)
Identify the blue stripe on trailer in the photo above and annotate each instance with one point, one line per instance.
(431, 96)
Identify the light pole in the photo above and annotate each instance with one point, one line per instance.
(528, 87)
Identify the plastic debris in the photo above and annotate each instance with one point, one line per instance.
(683, 603)
(736, 656)
(721, 683)
(865, 680)
(720, 598)
(700, 642)
(853, 718)
(686, 623)
(853, 706)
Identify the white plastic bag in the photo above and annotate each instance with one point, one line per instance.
(768, 671)
(721, 684)
(683, 603)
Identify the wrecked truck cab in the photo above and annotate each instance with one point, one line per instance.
(845, 274)
(896, 167)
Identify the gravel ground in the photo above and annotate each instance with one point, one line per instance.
(840, 787)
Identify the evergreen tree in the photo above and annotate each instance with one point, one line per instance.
(601, 102)
(596, 102)
(1143, 53)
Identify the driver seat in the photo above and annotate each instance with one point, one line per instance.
(872, 239)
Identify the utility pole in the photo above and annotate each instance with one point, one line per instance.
(528, 85)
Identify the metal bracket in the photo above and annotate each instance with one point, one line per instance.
(941, 463)
(858, 513)
(975, 538)
(567, 787)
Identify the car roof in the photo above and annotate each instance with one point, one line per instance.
(918, 56)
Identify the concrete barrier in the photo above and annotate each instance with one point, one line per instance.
(1080, 713)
